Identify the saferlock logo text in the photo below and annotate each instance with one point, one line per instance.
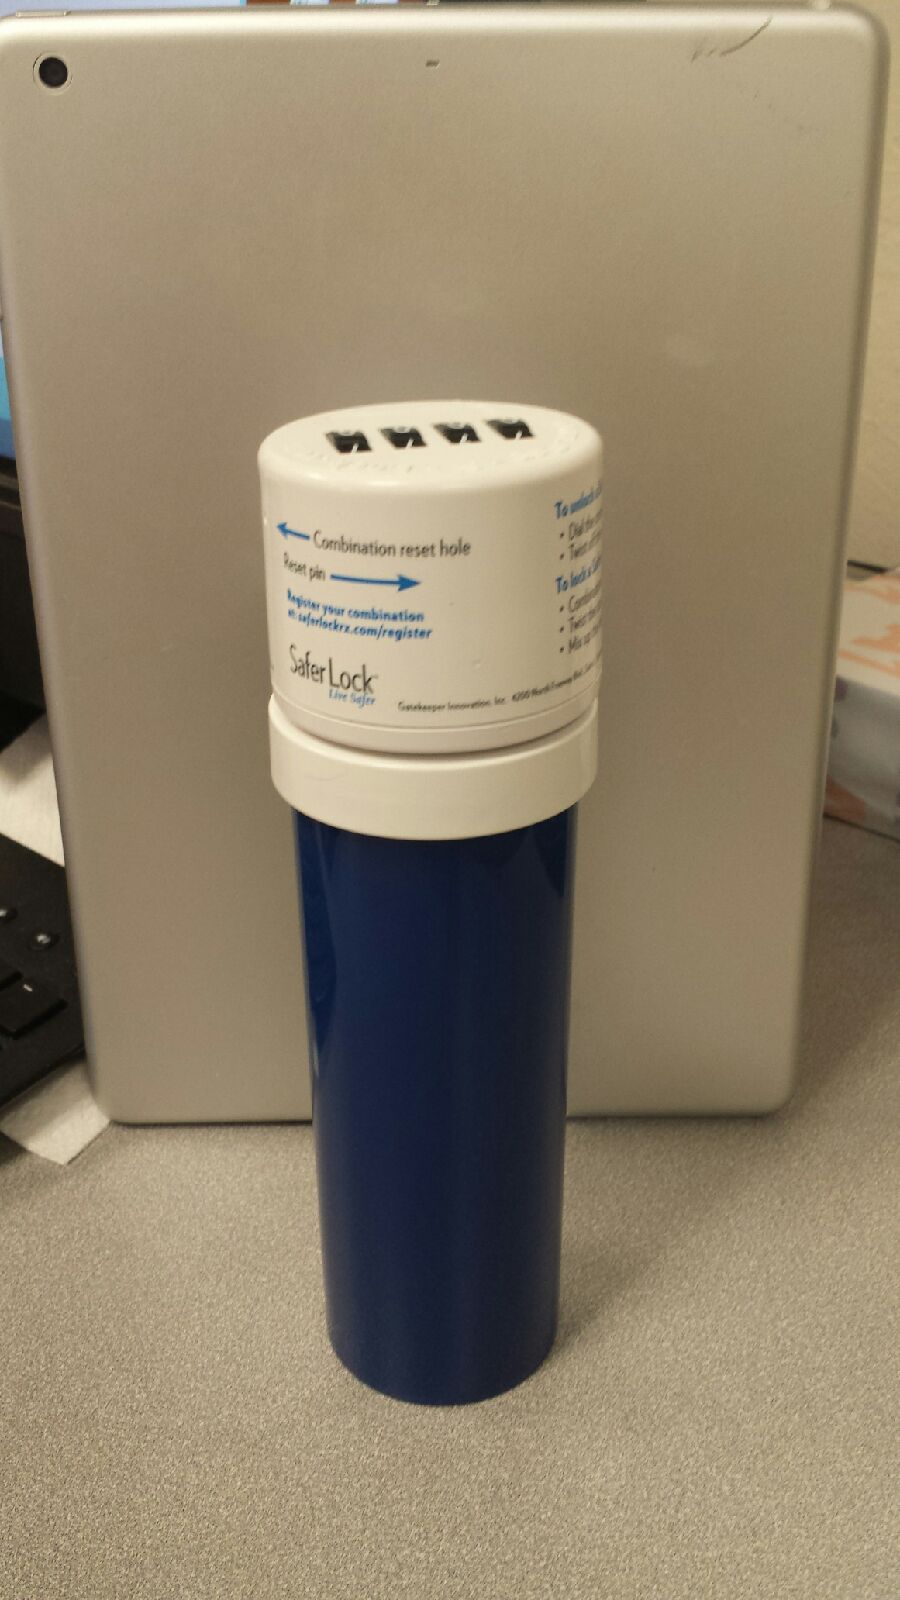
(354, 684)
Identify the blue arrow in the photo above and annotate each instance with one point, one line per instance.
(290, 533)
(399, 583)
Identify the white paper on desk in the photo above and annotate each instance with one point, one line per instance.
(28, 808)
(57, 1117)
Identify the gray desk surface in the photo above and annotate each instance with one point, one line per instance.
(719, 1417)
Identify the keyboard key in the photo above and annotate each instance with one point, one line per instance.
(24, 1004)
(7, 973)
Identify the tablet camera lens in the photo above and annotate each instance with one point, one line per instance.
(53, 72)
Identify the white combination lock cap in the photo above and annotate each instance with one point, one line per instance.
(433, 574)
(433, 592)
(433, 797)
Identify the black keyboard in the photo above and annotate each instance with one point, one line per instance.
(40, 1009)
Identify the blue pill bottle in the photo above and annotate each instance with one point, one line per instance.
(433, 575)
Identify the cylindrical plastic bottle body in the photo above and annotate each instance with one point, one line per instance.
(438, 980)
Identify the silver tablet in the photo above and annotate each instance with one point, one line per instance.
(658, 218)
